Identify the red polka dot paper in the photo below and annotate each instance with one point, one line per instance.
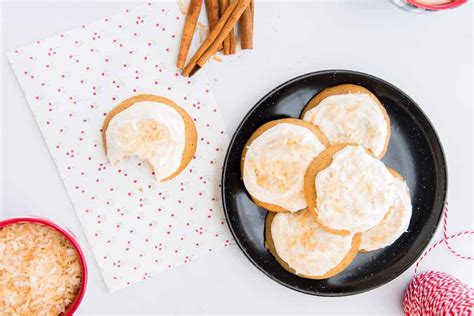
(135, 225)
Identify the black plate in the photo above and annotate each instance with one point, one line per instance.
(414, 151)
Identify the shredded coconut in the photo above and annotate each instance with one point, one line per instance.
(40, 271)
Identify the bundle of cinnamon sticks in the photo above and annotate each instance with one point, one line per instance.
(223, 16)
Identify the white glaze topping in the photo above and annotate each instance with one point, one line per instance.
(305, 246)
(276, 162)
(351, 118)
(354, 192)
(395, 222)
(152, 131)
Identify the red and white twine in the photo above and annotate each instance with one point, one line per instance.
(446, 237)
(438, 293)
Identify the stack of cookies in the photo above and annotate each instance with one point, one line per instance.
(328, 194)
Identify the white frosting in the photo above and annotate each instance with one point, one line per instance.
(354, 192)
(351, 118)
(152, 131)
(275, 164)
(395, 222)
(305, 246)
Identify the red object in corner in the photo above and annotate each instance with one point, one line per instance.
(450, 5)
(69, 236)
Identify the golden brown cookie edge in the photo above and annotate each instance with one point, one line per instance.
(350, 89)
(268, 206)
(346, 261)
(190, 128)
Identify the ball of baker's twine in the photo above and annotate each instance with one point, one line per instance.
(438, 293)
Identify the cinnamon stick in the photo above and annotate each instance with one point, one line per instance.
(231, 36)
(213, 14)
(246, 27)
(223, 4)
(192, 16)
(233, 43)
(212, 9)
(209, 47)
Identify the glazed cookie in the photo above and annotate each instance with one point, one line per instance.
(350, 114)
(395, 222)
(348, 189)
(304, 248)
(274, 161)
(154, 129)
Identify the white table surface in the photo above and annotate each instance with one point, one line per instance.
(427, 56)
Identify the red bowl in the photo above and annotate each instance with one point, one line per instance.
(450, 5)
(69, 236)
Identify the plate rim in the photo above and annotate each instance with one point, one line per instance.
(444, 178)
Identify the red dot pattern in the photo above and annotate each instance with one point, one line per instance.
(135, 225)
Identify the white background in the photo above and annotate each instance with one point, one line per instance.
(428, 56)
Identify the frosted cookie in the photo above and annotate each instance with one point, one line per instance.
(154, 129)
(350, 114)
(274, 161)
(304, 248)
(395, 222)
(348, 189)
